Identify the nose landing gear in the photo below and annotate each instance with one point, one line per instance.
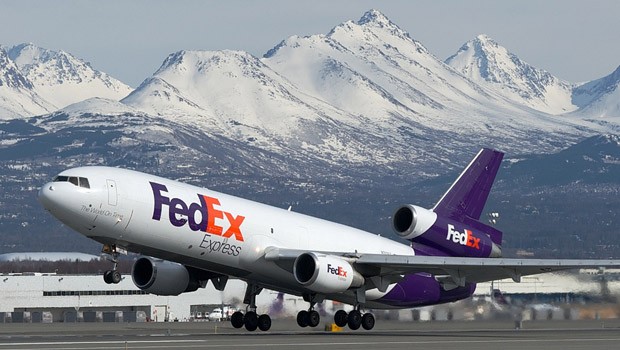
(112, 253)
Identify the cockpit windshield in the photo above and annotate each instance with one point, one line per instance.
(78, 181)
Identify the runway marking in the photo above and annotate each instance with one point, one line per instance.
(205, 343)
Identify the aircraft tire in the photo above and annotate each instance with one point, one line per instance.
(107, 277)
(115, 277)
(354, 319)
(264, 322)
(368, 321)
(313, 318)
(341, 318)
(250, 321)
(302, 318)
(237, 319)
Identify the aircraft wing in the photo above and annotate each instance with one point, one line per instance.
(451, 271)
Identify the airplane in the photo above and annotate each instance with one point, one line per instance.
(189, 235)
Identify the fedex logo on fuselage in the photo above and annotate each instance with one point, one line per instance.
(465, 238)
(207, 209)
(338, 271)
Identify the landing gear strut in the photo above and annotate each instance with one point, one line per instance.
(251, 320)
(112, 254)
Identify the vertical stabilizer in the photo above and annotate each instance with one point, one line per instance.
(466, 197)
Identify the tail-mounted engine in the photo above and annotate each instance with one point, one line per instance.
(441, 235)
(410, 221)
(325, 273)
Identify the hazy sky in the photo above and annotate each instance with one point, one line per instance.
(573, 39)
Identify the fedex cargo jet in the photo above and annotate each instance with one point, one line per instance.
(190, 235)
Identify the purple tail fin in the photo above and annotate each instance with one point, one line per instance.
(467, 196)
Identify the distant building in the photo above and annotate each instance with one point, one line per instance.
(86, 298)
(48, 256)
(69, 297)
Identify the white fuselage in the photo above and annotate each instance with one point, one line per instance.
(201, 228)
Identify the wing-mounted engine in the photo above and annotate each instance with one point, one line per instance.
(161, 277)
(410, 221)
(325, 273)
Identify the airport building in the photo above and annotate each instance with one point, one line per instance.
(77, 298)
(53, 297)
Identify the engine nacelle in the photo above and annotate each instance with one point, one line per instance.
(325, 273)
(410, 221)
(162, 277)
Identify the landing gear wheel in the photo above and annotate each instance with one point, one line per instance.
(107, 277)
(340, 318)
(115, 276)
(313, 318)
(302, 318)
(237, 319)
(355, 319)
(250, 321)
(264, 322)
(368, 321)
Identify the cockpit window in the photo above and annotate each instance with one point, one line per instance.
(84, 182)
(78, 181)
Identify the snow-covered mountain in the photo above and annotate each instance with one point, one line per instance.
(486, 62)
(600, 98)
(235, 95)
(62, 79)
(17, 94)
(364, 93)
(350, 122)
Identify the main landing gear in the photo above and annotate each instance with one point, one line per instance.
(354, 319)
(251, 320)
(310, 318)
(112, 254)
(305, 318)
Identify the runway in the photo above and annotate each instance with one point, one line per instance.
(285, 335)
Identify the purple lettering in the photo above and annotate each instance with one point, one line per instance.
(160, 199)
(191, 214)
(177, 207)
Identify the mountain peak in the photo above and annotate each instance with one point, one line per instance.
(485, 61)
(483, 38)
(189, 62)
(600, 97)
(61, 78)
(10, 75)
(374, 17)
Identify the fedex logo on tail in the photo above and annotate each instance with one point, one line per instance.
(207, 209)
(465, 238)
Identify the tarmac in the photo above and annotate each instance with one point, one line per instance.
(284, 334)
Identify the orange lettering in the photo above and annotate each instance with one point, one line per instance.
(235, 226)
(213, 214)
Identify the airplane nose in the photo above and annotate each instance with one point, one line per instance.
(45, 195)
